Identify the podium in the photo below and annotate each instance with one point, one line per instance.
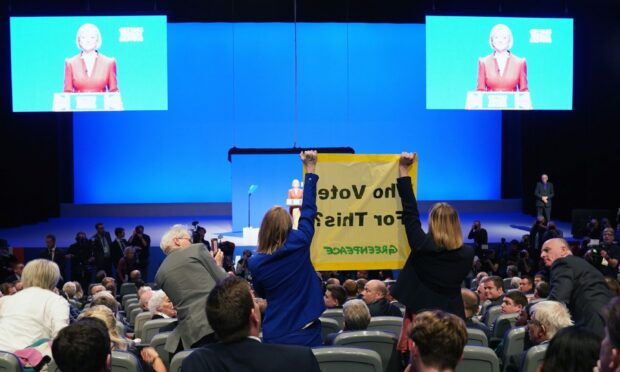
(294, 202)
(477, 100)
(66, 102)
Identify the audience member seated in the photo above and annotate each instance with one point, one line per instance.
(361, 284)
(471, 303)
(539, 277)
(161, 307)
(83, 346)
(106, 299)
(572, 349)
(546, 319)
(332, 281)
(609, 357)
(374, 295)
(526, 285)
(350, 288)
(334, 297)
(512, 271)
(439, 339)
(109, 284)
(356, 318)
(36, 312)
(144, 296)
(541, 291)
(96, 289)
(494, 293)
(235, 318)
(126, 264)
(18, 268)
(513, 302)
(135, 277)
(118, 342)
(68, 291)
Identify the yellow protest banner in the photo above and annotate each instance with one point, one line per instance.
(359, 221)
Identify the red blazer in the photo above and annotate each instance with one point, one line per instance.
(513, 79)
(103, 75)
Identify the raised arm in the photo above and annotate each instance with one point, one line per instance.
(308, 205)
(411, 215)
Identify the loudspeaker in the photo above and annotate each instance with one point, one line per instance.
(581, 217)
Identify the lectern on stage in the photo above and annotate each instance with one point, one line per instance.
(87, 102)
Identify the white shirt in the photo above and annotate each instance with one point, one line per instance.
(30, 315)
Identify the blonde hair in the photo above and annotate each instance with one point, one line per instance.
(445, 227)
(501, 27)
(88, 27)
(274, 230)
(106, 315)
(41, 273)
(177, 231)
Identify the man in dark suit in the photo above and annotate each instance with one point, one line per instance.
(577, 284)
(118, 246)
(187, 275)
(102, 245)
(236, 320)
(54, 254)
(544, 193)
(374, 296)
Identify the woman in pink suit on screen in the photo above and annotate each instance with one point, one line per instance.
(502, 71)
(90, 71)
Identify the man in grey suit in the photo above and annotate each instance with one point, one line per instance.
(187, 275)
(544, 193)
(577, 284)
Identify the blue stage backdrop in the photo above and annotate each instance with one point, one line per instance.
(359, 85)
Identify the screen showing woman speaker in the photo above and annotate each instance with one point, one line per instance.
(89, 63)
(499, 63)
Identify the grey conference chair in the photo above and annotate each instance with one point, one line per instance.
(128, 297)
(9, 362)
(336, 314)
(514, 343)
(478, 359)
(391, 324)
(476, 337)
(502, 324)
(177, 360)
(534, 358)
(158, 342)
(133, 314)
(493, 313)
(347, 359)
(130, 307)
(383, 343)
(138, 323)
(130, 301)
(151, 328)
(128, 288)
(123, 361)
(328, 325)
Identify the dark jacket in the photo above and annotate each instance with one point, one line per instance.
(251, 355)
(384, 308)
(582, 288)
(432, 276)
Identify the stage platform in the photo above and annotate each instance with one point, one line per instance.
(501, 219)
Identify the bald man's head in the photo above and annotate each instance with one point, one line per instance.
(553, 249)
(374, 291)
